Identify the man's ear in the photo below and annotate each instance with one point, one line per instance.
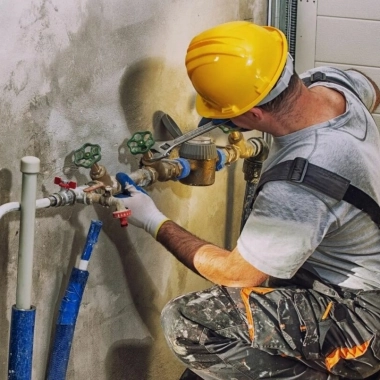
(256, 113)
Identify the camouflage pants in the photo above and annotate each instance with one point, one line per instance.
(284, 333)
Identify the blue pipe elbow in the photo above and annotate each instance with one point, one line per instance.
(221, 162)
(185, 168)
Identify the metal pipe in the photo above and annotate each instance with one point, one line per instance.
(269, 17)
(30, 167)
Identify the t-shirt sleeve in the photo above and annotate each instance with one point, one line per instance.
(363, 87)
(286, 225)
(354, 78)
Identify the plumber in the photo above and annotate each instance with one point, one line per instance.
(298, 297)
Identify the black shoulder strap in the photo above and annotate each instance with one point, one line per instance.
(301, 171)
(322, 77)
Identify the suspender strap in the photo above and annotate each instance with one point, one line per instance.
(302, 171)
(322, 77)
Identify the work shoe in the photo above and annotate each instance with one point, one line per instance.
(189, 375)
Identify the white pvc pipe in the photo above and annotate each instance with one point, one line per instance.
(8, 207)
(43, 203)
(83, 264)
(30, 167)
(15, 206)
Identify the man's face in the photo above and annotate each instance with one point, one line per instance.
(255, 118)
(245, 121)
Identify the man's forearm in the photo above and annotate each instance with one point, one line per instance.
(181, 243)
(211, 262)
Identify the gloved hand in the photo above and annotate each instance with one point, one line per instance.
(144, 212)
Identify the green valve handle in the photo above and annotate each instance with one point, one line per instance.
(87, 155)
(140, 142)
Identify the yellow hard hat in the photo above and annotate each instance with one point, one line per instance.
(234, 66)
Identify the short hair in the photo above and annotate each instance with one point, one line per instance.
(282, 103)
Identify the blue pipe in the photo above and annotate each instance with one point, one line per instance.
(92, 238)
(69, 309)
(21, 344)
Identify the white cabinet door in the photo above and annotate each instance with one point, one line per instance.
(340, 33)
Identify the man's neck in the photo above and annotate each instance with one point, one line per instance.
(314, 106)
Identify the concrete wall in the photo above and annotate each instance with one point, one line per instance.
(78, 71)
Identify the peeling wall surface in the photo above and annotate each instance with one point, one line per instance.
(79, 71)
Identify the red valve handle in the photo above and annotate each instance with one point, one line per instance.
(65, 184)
(122, 215)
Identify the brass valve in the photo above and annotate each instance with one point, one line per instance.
(106, 199)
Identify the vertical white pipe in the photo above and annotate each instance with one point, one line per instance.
(30, 167)
(269, 10)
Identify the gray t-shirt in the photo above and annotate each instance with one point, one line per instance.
(291, 223)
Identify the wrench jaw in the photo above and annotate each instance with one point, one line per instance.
(162, 149)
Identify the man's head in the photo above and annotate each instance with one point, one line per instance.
(279, 108)
(237, 66)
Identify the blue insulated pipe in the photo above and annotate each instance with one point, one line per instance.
(69, 308)
(21, 344)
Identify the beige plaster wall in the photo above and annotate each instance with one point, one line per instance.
(78, 71)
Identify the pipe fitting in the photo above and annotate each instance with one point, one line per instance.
(68, 197)
(236, 139)
(62, 198)
(252, 166)
(163, 170)
(238, 148)
(99, 173)
(231, 153)
(107, 200)
(261, 148)
(145, 176)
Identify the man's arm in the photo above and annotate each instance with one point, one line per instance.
(215, 264)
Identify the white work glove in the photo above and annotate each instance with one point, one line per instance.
(144, 213)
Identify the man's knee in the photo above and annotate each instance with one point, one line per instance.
(170, 316)
(178, 329)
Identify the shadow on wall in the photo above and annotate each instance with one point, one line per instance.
(144, 88)
(137, 101)
(121, 363)
(5, 313)
(130, 359)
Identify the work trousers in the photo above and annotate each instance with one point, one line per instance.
(285, 333)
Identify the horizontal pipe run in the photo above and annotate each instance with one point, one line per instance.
(16, 206)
